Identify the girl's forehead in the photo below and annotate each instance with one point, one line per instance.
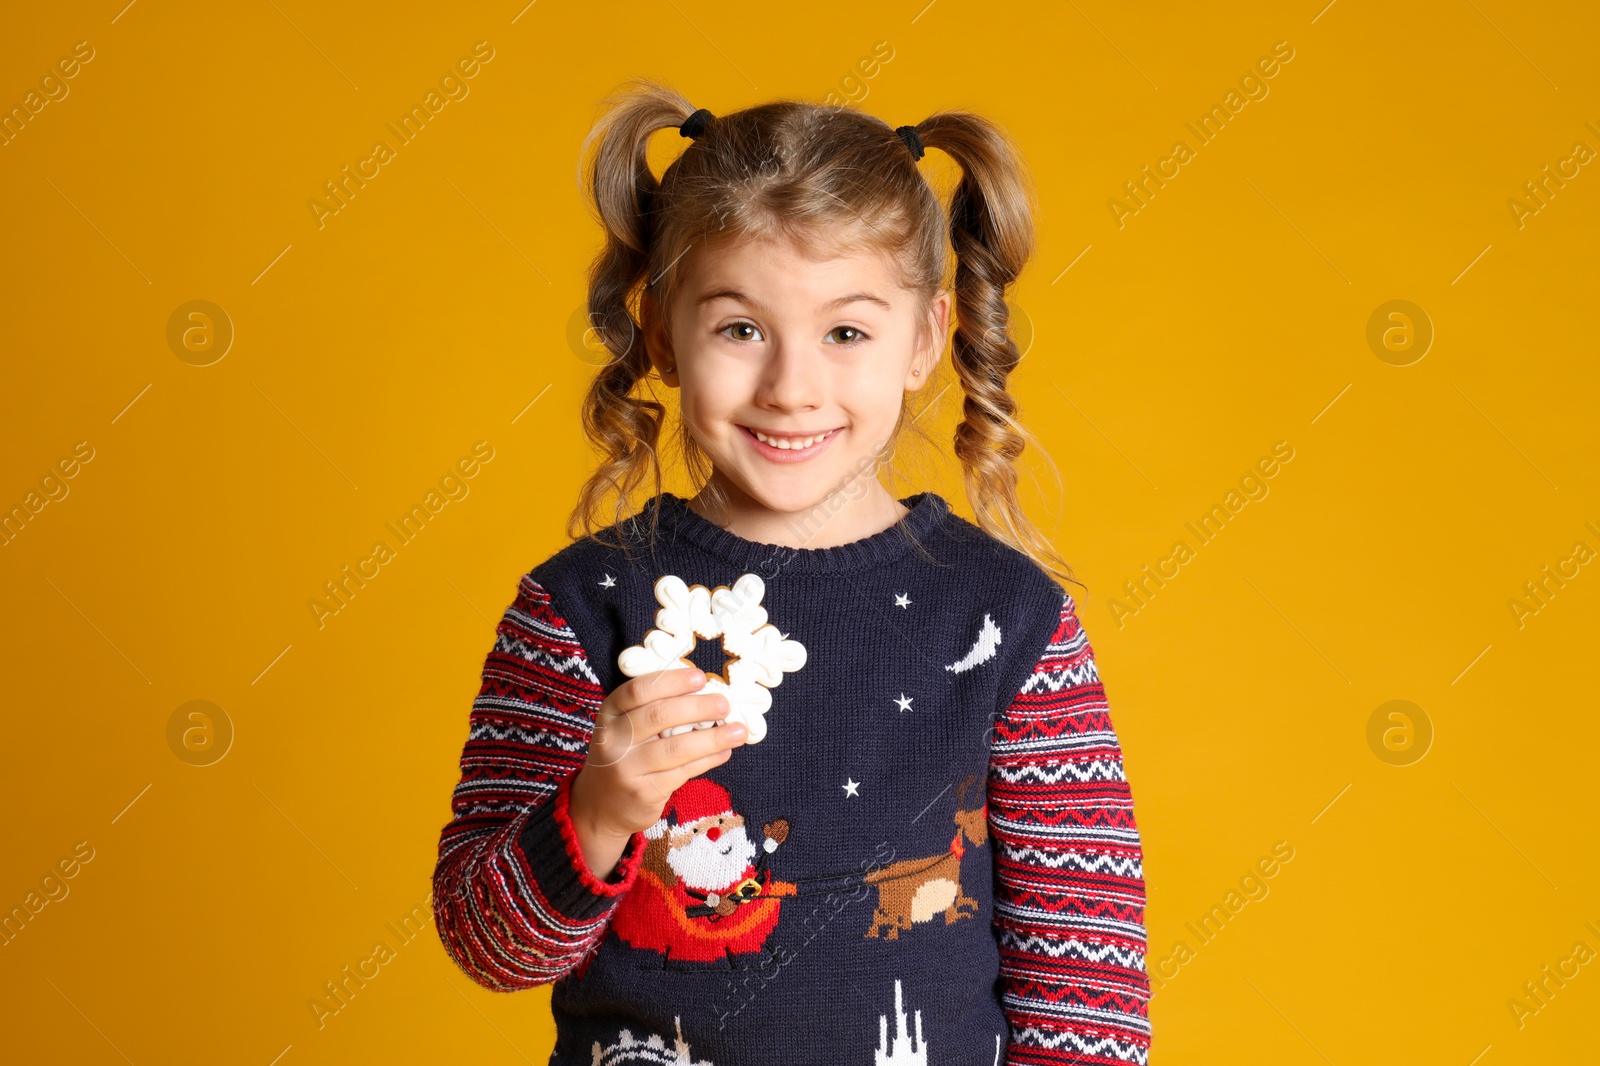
(784, 266)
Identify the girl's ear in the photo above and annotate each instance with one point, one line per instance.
(657, 343)
(930, 342)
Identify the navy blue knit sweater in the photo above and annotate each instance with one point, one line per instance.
(930, 857)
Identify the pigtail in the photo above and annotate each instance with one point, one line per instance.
(991, 231)
(625, 428)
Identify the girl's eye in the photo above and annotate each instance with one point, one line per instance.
(740, 325)
(746, 332)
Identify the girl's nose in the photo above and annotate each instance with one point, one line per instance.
(789, 382)
(713, 833)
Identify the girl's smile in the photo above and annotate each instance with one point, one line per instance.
(788, 448)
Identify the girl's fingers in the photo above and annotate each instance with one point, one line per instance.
(695, 768)
(666, 754)
(645, 689)
(640, 708)
(616, 734)
(679, 713)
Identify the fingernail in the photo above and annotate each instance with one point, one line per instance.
(735, 730)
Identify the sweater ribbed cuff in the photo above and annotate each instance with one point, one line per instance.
(550, 844)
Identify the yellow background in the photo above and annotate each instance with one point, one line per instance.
(370, 354)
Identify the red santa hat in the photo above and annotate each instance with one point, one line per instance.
(696, 798)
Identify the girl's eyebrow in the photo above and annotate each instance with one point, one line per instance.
(847, 298)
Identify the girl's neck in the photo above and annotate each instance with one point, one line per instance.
(820, 526)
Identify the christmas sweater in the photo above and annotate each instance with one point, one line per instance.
(926, 854)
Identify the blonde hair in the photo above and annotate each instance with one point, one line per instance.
(827, 178)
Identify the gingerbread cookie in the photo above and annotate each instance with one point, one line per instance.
(759, 655)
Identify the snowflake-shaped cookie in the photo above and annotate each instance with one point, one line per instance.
(759, 654)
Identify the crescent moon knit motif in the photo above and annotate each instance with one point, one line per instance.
(982, 649)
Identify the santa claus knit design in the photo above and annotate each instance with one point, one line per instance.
(920, 864)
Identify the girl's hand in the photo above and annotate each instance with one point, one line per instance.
(631, 770)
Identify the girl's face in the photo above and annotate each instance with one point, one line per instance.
(793, 369)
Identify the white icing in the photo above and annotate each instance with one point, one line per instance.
(762, 654)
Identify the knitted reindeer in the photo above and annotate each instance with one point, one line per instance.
(914, 890)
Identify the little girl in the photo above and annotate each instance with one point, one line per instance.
(792, 771)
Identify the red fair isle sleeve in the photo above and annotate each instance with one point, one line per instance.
(1069, 874)
(515, 903)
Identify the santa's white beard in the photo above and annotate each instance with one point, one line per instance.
(712, 865)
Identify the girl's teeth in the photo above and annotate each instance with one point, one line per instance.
(786, 444)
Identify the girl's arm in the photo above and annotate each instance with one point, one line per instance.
(1069, 875)
(514, 899)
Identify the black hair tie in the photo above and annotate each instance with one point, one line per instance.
(695, 124)
(913, 142)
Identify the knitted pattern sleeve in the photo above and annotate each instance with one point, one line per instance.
(515, 903)
(1069, 879)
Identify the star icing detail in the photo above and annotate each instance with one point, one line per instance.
(902, 599)
(607, 583)
(850, 788)
(905, 701)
